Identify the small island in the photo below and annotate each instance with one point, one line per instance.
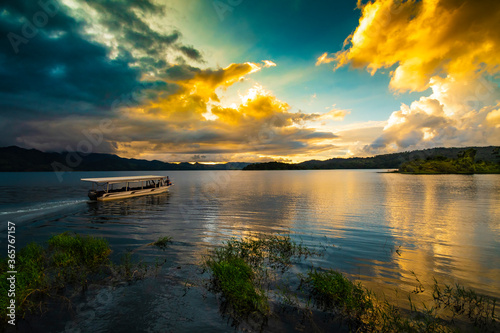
(465, 163)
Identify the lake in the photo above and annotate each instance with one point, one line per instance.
(382, 229)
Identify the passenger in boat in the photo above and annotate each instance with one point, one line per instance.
(168, 182)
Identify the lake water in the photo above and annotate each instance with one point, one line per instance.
(379, 228)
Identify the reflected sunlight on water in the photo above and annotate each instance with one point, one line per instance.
(376, 227)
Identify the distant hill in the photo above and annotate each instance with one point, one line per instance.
(388, 161)
(19, 159)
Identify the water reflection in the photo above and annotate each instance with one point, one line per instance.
(102, 211)
(444, 226)
(383, 226)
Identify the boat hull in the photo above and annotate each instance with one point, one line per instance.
(132, 194)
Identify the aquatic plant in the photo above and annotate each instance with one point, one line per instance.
(70, 261)
(240, 273)
(275, 251)
(480, 310)
(236, 281)
(363, 311)
(30, 280)
(162, 242)
(248, 274)
(333, 291)
(73, 257)
(68, 258)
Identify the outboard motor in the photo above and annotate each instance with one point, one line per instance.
(92, 195)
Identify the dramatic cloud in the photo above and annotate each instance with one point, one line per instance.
(445, 118)
(449, 46)
(194, 121)
(423, 39)
(65, 63)
(118, 61)
(49, 71)
(191, 52)
(132, 27)
(56, 56)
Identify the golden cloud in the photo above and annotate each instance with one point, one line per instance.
(450, 46)
(268, 63)
(452, 115)
(184, 117)
(324, 59)
(423, 39)
(335, 114)
(193, 120)
(493, 118)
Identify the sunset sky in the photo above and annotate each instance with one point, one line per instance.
(241, 80)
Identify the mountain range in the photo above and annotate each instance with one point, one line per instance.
(14, 158)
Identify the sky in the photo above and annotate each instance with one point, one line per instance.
(250, 81)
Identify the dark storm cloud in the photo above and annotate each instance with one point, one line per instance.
(103, 60)
(191, 52)
(67, 67)
(181, 72)
(121, 18)
(60, 62)
(321, 135)
(57, 66)
(49, 67)
(24, 11)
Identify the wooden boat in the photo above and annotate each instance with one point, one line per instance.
(104, 189)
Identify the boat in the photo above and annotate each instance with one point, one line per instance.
(112, 188)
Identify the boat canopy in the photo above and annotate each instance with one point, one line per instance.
(116, 180)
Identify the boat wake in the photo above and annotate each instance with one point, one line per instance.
(39, 210)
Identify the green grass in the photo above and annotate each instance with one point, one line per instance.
(348, 301)
(31, 279)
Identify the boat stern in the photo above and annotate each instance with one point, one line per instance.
(92, 194)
